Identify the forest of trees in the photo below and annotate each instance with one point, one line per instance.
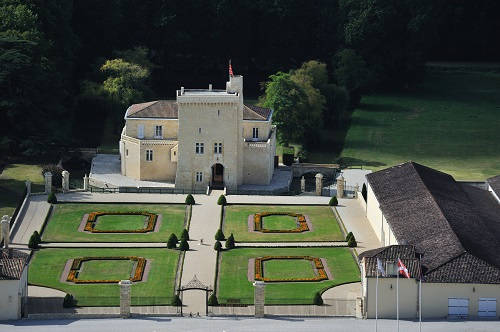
(65, 66)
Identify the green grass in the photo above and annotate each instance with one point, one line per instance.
(234, 284)
(47, 266)
(66, 218)
(279, 222)
(450, 122)
(325, 226)
(113, 222)
(288, 268)
(106, 270)
(12, 184)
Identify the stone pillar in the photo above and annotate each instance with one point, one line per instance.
(319, 183)
(340, 186)
(259, 298)
(356, 190)
(48, 182)
(5, 225)
(65, 181)
(125, 298)
(28, 187)
(302, 184)
(85, 182)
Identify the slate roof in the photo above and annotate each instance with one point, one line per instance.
(430, 210)
(494, 183)
(167, 109)
(12, 263)
(406, 253)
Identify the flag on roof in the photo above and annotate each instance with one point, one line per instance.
(402, 269)
(380, 268)
(230, 69)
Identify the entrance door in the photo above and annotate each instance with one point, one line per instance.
(218, 176)
(458, 307)
(487, 307)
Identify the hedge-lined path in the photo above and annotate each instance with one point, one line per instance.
(31, 221)
(200, 260)
(291, 244)
(103, 245)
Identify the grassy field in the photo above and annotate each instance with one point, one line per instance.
(106, 270)
(234, 284)
(47, 265)
(12, 184)
(279, 222)
(451, 123)
(115, 222)
(324, 223)
(288, 268)
(66, 218)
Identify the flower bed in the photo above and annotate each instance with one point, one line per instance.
(92, 218)
(259, 269)
(77, 264)
(301, 220)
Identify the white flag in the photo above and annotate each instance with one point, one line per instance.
(380, 268)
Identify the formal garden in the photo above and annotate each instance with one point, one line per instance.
(78, 222)
(91, 275)
(292, 275)
(281, 223)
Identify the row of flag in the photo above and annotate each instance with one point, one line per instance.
(402, 270)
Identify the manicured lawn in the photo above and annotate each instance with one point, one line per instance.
(47, 265)
(324, 223)
(112, 222)
(66, 218)
(288, 268)
(12, 184)
(279, 222)
(106, 270)
(451, 122)
(234, 284)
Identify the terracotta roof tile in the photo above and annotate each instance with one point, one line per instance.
(12, 264)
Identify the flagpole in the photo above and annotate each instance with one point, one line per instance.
(420, 297)
(376, 304)
(397, 296)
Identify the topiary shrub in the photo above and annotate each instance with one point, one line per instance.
(218, 246)
(190, 200)
(185, 235)
(318, 300)
(68, 301)
(184, 246)
(34, 240)
(212, 300)
(352, 242)
(222, 200)
(176, 301)
(172, 241)
(52, 199)
(348, 236)
(219, 236)
(230, 242)
(333, 201)
(363, 192)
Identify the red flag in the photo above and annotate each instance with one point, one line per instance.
(230, 69)
(403, 270)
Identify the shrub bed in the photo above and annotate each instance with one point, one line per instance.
(259, 269)
(92, 218)
(301, 219)
(77, 264)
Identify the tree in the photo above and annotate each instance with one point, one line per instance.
(68, 301)
(218, 246)
(333, 201)
(219, 236)
(34, 240)
(230, 242)
(349, 236)
(212, 300)
(352, 242)
(184, 246)
(364, 193)
(318, 300)
(52, 198)
(185, 235)
(351, 72)
(172, 241)
(222, 200)
(190, 200)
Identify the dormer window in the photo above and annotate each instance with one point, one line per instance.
(158, 131)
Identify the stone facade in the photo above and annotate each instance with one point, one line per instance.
(203, 138)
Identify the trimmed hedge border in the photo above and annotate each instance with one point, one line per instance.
(92, 218)
(77, 263)
(259, 268)
(257, 218)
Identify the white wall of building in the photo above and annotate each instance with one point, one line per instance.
(377, 219)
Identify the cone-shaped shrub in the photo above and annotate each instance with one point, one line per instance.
(184, 246)
(37, 236)
(352, 242)
(34, 240)
(222, 200)
(348, 236)
(218, 246)
(230, 242)
(317, 299)
(185, 235)
(333, 201)
(52, 199)
(212, 300)
(176, 301)
(172, 241)
(190, 200)
(68, 301)
(219, 236)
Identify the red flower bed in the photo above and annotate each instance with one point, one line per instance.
(77, 264)
(259, 269)
(301, 219)
(92, 218)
